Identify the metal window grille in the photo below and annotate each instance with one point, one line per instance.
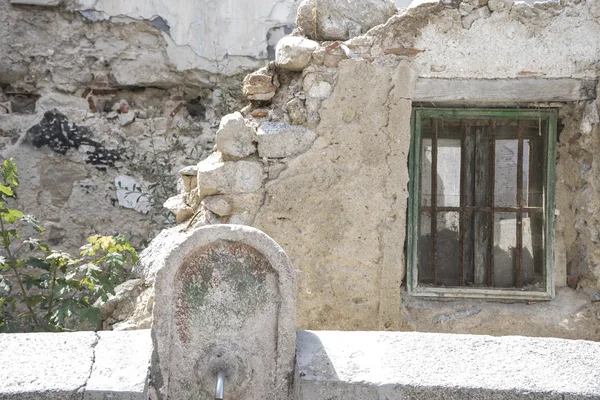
(482, 203)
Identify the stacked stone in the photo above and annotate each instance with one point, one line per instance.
(254, 145)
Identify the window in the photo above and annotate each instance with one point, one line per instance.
(481, 211)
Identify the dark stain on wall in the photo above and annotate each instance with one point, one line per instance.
(55, 131)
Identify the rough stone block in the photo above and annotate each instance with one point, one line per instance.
(342, 19)
(178, 206)
(279, 139)
(218, 177)
(500, 5)
(260, 85)
(317, 85)
(297, 111)
(50, 101)
(218, 205)
(225, 300)
(403, 365)
(294, 52)
(121, 366)
(234, 137)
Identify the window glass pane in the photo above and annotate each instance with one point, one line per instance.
(505, 242)
(505, 181)
(533, 251)
(447, 249)
(448, 173)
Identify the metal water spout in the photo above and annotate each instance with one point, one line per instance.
(219, 391)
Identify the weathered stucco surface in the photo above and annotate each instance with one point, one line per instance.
(335, 209)
(339, 208)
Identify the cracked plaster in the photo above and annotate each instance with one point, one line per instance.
(233, 33)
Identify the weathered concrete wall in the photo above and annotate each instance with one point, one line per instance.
(336, 208)
(339, 207)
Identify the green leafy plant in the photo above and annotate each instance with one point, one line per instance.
(45, 289)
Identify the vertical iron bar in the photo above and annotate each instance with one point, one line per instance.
(434, 160)
(491, 183)
(519, 244)
(463, 199)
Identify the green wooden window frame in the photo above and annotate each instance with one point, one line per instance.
(549, 184)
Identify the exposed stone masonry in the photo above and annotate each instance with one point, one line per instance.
(317, 157)
(332, 136)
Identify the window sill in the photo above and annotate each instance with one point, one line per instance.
(480, 293)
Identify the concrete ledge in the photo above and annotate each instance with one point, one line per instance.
(407, 365)
(79, 365)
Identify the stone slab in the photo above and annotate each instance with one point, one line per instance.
(410, 365)
(45, 366)
(121, 366)
(75, 365)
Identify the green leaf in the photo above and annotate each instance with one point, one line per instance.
(35, 300)
(38, 263)
(10, 215)
(91, 314)
(10, 173)
(6, 190)
(31, 281)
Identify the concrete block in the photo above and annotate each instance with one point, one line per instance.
(75, 365)
(411, 365)
(121, 366)
(45, 366)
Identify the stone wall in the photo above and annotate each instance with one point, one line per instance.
(318, 159)
(139, 87)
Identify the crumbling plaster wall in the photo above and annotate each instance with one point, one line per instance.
(145, 83)
(338, 205)
(216, 36)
